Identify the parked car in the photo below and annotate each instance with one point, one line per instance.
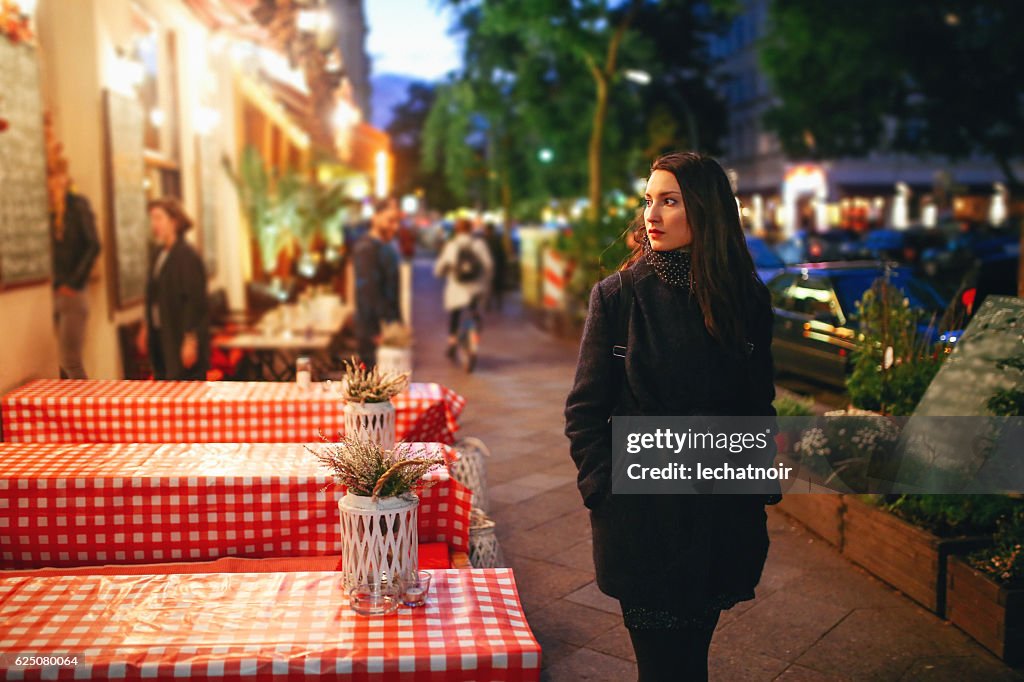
(995, 274)
(815, 305)
(906, 246)
(766, 262)
(818, 247)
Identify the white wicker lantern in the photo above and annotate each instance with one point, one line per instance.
(379, 538)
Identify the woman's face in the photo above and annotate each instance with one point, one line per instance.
(665, 215)
(164, 229)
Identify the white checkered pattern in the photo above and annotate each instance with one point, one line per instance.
(267, 626)
(51, 410)
(65, 504)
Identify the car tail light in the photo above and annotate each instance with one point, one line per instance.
(815, 250)
(967, 298)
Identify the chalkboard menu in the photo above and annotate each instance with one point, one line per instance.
(125, 176)
(206, 162)
(24, 205)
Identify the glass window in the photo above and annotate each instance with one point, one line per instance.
(813, 297)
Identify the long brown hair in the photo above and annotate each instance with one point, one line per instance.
(723, 278)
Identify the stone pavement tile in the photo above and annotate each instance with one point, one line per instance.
(782, 625)
(798, 673)
(572, 623)
(542, 481)
(512, 492)
(508, 469)
(579, 556)
(615, 642)
(552, 649)
(726, 663)
(572, 527)
(590, 665)
(564, 468)
(541, 582)
(592, 596)
(538, 545)
(881, 644)
(848, 587)
(549, 505)
(958, 668)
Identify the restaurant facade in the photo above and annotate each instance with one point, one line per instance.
(150, 98)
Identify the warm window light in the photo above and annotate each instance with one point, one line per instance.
(383, 184)
(345, 116)
(127, 74)
(314, 20)
(206, 119)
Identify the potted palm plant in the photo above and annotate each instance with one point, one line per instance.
(369, 414)
(379, 520)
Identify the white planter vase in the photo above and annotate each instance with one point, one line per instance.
(394, 360)
(379, 538)
(371, 421)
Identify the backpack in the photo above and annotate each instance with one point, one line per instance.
(468, 266)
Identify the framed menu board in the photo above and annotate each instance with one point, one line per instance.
(129, 224)
(24, 204)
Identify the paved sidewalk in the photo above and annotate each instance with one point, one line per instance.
(816, 616)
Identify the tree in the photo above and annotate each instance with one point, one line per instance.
(407, 132)
(551, 73)
(921, 76)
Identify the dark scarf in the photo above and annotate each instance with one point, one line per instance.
(672, 267)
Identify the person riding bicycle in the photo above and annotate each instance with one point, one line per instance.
(466, 265)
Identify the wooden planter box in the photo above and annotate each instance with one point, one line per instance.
(820, 513)
(988, 612)
(910, 559)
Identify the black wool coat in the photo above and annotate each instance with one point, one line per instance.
(681, 552)
(179, 293)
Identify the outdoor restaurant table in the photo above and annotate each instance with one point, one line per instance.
(272, 356)
(266, 626)
(55, 410)
(65, 504)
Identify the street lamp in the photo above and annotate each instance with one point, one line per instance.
(637, 76)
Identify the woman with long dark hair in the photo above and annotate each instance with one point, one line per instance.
(698, 343)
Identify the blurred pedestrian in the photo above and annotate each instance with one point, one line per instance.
(75, 247)
(406, 241)
(376, 270)
(176, 334)
(499, 257)
(465, 263)
(699, 343)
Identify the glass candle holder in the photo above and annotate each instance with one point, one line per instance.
(415, 588)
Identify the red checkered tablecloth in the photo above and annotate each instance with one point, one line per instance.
(269, 626)
(64, 504)
(52, 410)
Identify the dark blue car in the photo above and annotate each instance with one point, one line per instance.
(815, 304)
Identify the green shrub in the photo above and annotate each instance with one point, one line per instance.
(792, 406)
(954, 515)
(886, 320)
(1003, 561)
